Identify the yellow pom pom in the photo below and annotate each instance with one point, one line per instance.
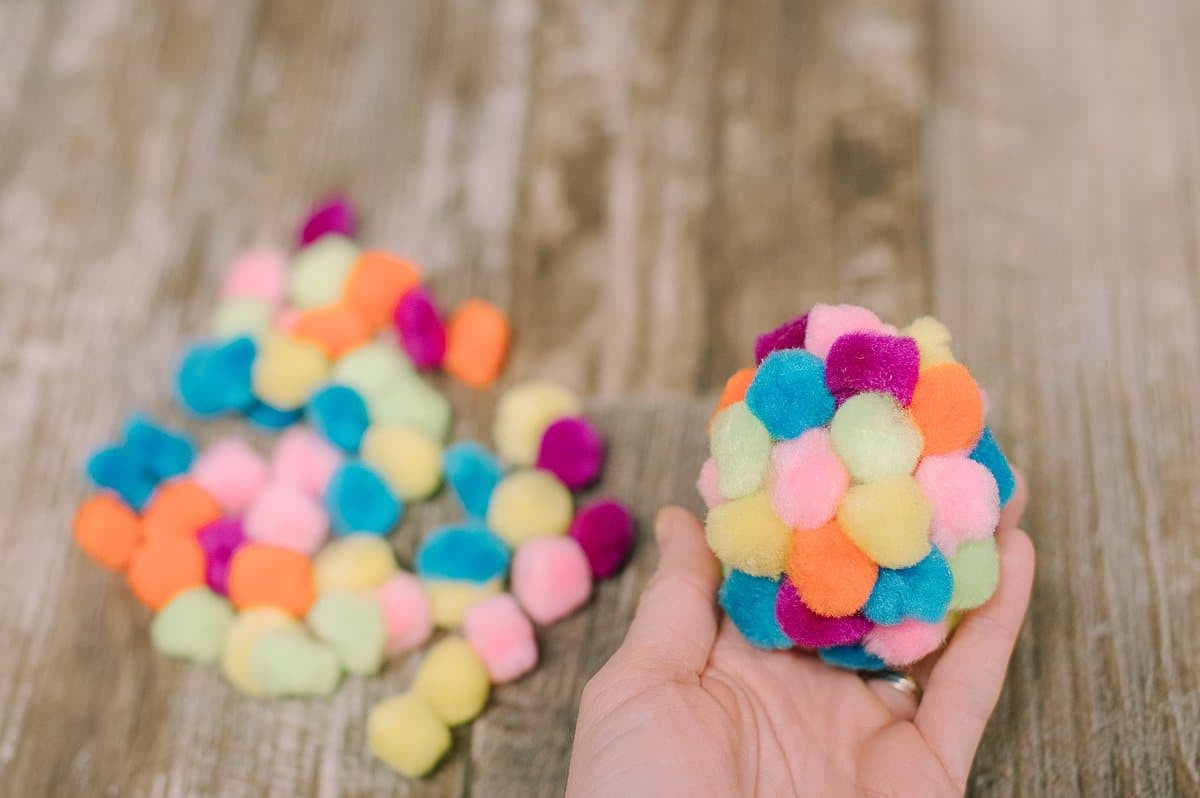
(746, 535)
(240, 636)
(449, 600)
(237, 316)
(889, 520)
(523, 414)
(286, 371)
(874, 437)
(528, 504)
(354, 562)
(741, 448)
(407, 734)
(320, 270)
(407, 458)
(975, 567)
(933, 341)
(454, 680)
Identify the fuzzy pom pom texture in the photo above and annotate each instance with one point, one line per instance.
(851, 486)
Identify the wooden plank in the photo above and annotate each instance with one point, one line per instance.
(1062, 174)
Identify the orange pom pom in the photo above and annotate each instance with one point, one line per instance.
(376, 283)
(179, 508)
(107, 530)
(165, 567)
(734, 391)
(831, 574)
(948, 409)
(477, 338)
(261, 574)
(336, 329)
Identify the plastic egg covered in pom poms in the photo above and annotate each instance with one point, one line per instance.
(853, 490)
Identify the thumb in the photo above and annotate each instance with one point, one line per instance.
(676, 619)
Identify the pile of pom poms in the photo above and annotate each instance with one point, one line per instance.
(853, 490)
(278, 567)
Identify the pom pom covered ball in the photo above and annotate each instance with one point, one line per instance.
(853, 490)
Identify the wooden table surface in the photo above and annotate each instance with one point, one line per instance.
(644, 185)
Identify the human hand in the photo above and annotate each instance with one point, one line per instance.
(687, 707)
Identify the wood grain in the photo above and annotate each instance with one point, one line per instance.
(644, 186)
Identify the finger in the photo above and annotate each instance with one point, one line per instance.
(1010, 516)
(966, 681)
(676, 619)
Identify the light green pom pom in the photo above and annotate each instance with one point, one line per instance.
(239, 316)
(875, 438)
(741, 447)
(410, 401)
(352, 624)
(192, 626)
(320, 270)
(287, 662)
(370, 368)
(975, 567)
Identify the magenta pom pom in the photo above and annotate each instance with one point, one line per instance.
(573, 451)
(333, 214)
(604, 530)
(859, 362)
(789, 335)
(420, 330)
(809, 630)
(220, 540)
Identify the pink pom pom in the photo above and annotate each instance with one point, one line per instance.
(906, 642)
(806, 480)
(284, 515)
(551, 578)
(604, 530)
(827, 323)
(232, 472)
(305, 459)
(706, 485)
(420, 330)
(502, 637)
(258, 274)
(406, 613)
(573, 451)
(965, 499)
(809, 630)
(332, 214)
(285, 319)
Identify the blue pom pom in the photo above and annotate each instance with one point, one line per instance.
(750, 603)
(852, 658)
(159, 451)
(214, 379)
(464, 553)
(117, 469)
(921, 591)
(233, 364)
(358, 500)
(987, 453)
(196, 392)
(340, 415)
(272, 419)
(788, 393)
(472, 473)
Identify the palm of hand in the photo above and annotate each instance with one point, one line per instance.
(688, 707)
